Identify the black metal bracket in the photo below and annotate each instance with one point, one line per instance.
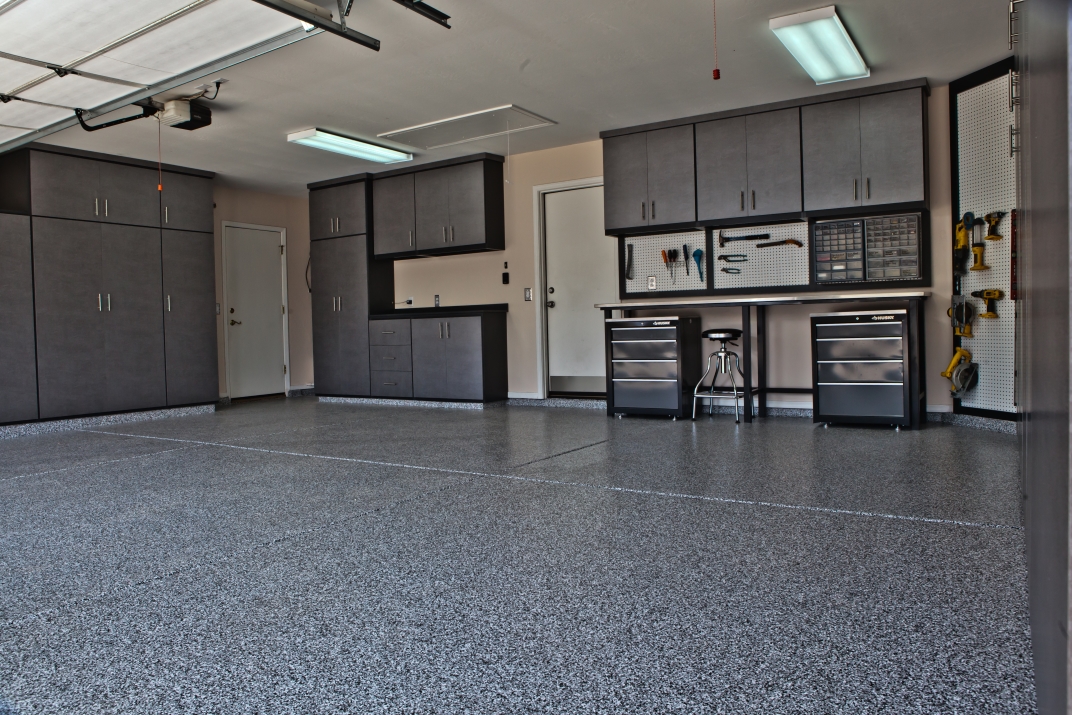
(147, 110)
(334, 28)
(423, 8)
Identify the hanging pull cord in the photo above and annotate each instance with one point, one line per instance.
(715, 74)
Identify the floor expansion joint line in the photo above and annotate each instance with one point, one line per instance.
(584, 485)
(568, 451)
(93, 464)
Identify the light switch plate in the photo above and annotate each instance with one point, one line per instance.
(652, 285)
(217, 309)
(437, 300)
(528, 294)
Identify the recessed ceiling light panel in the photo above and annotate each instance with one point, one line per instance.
(319, 139)
(484, 124)
(821, 45)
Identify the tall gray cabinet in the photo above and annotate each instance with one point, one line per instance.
(340, 315)
(115, 312)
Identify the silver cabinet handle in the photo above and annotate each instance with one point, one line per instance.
(337, 229)
(742, 201)
(448, 330)
(390, 384)
(411, 238)
(652, 210)
(109, 302)
(387, 332)
(169, 304)
(867, 188)
(854, 191)
(99, 305)
(643, 211)
(106, 207)
(96, 207)
(388, 358)
(452, 234)
(340, 303)
(444, 234)
(753, 199)
(165, 214)
(331, 225)
(440, 331)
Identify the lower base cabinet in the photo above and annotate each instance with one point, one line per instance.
(340, 315)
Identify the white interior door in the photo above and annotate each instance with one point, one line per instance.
(582, 270)
(254, 311)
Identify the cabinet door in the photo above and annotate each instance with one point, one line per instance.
(18, 357)
(393, 214)
(188, 262)
(466, 191)
(187, 203)
(773, 162)
(70, 320)
(352, 276)
(671, 175)
(464, 363)
(625, 181)
(321, 214)
(324, 277)
(349, 202)
(891, 143)
(133, 318)
(129, 195)
(831, 151)
(721, 169)
(429, 358)
(431, 197)
(64, 186)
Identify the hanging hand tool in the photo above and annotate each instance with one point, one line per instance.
(963, 375)
(697, 256)
(672, 255)
(733, 271)
(962, 246)
(733, 257)
(961, 313)
(978, 247)
(666, 260)
(786, 242)
(629, 261)
(991, 297)
(685, 255)
(993, 219)
(723, 240)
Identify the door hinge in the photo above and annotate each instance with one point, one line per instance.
(284, 369)
(284, 309)
(280, 250)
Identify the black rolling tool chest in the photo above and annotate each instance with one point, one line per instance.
(867, 368)
(651, 364)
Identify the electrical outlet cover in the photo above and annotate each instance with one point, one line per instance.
(652, 284)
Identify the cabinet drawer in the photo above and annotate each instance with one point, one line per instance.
(643, 333)
(392, 384)
(861, 400)
(857, 330)
(391, 357)
(389, 332)
(647, 350)
(656, 370)
(646, 394)
(859, 349)
(861, 372)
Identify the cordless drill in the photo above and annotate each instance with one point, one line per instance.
(962, 246)
(977, 247)
(991, 297)
(993, 219)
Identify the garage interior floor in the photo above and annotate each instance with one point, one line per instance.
(288, 556)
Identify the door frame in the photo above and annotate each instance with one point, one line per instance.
(539, 229)
(286, 304)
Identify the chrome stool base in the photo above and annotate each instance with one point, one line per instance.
(720, 360)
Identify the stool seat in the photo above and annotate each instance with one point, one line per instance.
(722, 334)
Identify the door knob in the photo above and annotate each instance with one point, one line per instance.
(236, 322)
(550, 304)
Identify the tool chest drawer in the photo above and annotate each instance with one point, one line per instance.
(855, 330)
(644, 334)
(389, 332)
(858, 349)
(862, 401)
(644, 350)
(879, 371)
(391, 357)
(650, 369)
(647, 394)
(392, 384)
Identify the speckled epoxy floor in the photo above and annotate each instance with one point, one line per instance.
(294, 557)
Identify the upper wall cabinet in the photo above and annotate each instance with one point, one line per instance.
(452, 208)
(74, 187)
(748, 166)
(864, 151)
(337, 211)
(649, 178)
(186, 203)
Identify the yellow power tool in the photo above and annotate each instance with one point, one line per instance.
(962, 245)
(991, 297)
(978, 247)
(962, 372)
(993, 219)
(961, 314)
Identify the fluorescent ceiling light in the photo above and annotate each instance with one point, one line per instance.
(821, 45)
(319, 139)
(470, 127)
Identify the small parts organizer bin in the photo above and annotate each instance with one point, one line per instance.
(882, 248)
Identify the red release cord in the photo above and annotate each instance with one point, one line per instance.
(159, 158)
(714, 17)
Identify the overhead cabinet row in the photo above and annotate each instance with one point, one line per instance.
(862, 151)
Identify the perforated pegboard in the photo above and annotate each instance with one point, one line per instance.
(648, 262)
(764, 267)
(987, 173)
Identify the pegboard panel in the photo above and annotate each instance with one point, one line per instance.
(648, 262)
(987, 175)
(762, 267)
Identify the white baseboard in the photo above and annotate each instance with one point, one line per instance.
(523, 395)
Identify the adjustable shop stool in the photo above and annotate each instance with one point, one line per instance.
(721, 359)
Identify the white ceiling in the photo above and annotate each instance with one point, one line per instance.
(589, 65)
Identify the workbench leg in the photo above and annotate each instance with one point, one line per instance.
(761, 357)
(746, 348)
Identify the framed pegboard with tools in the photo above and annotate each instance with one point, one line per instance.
(983, 128)
(664, 264)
